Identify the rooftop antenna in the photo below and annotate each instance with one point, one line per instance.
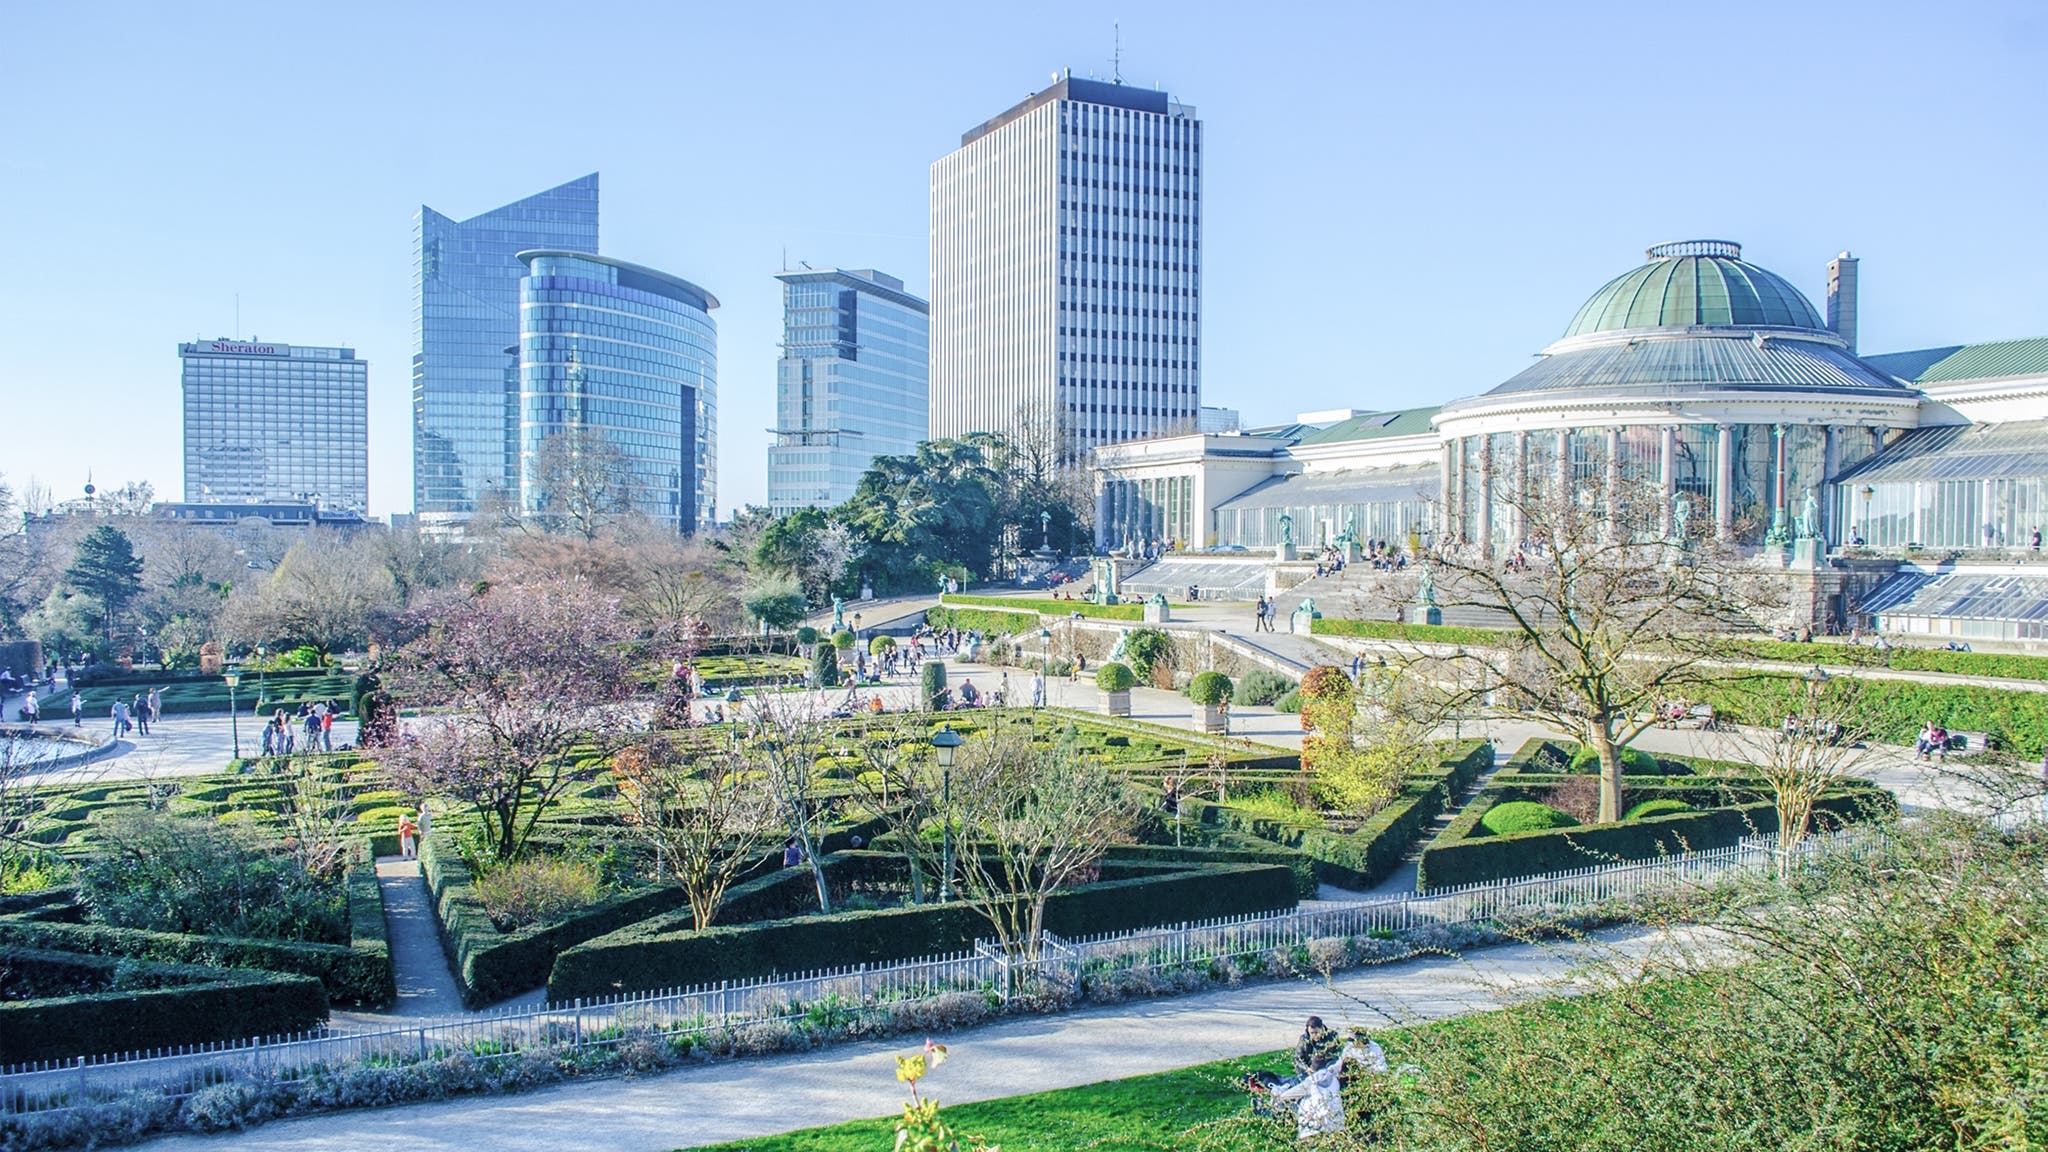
(1116, 59)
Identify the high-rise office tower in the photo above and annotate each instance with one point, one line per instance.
(627, 356)
(465, 402)
(1066, 265)
(850, 385)
(276, 422)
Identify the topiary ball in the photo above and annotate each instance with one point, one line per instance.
(1209, 689)
(1634, 762)
(1115, 677)
(1523, 816)
(1649, 808)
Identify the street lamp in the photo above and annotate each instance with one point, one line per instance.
(259, 676)
(234, 713)
(856, 628)
(946, 741)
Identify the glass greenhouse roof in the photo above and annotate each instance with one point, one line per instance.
(1962, 596)
(1698, 282)
(1959, 452)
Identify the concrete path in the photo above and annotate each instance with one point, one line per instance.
(749, 1098)
(194, 744)
(426, 986)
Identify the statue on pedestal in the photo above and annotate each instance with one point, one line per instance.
(1286, 529)
(1809, 517)
(838, 614)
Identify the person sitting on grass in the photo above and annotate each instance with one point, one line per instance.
(1317, 1097)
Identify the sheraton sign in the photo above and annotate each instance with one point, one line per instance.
(236, 348)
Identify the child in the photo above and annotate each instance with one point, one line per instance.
(408, 832)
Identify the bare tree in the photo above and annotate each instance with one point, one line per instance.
(581, 482)
(324, 592)
(895, 781)
(706, 817)
(1034, 821)
(1606, 616)
(784, 746)
(1807, 756)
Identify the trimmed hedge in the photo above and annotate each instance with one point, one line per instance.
(1414, 633)
(1664, 806)
(1486, 859)
(1115, 676)
(637, 961)
(1226, 848)
(1050, 607)
(1999, 665)
(988, 622)
(1516, 816)
(192, 1004)
(357, 973)
(491, 965)
(1363, 858)
(1209, 689)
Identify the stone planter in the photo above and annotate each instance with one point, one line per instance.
(1215, 719)
(1116, 703)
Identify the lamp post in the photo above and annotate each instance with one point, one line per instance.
(946, 741)
(856, 630)
(234, 714)
(259, 676)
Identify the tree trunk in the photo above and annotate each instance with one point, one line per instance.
(1795, 811)
(1610, 773)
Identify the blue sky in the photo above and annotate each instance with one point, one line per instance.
(1404, 200)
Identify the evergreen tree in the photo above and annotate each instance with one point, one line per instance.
(107, 569)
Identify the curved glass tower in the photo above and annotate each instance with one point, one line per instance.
(631, 354)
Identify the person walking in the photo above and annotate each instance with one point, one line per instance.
(31, 711)
(120, 714)
(156, 704)
(1038, 690)
(1259, 615)
(408, 833)
(424, 820)
(77, 709)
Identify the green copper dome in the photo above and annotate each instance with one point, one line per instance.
(1695, 282)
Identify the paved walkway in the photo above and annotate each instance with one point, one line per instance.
(192, 744)
(736, 1100)
(426, 986)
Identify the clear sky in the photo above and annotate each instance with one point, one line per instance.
(1404, 201)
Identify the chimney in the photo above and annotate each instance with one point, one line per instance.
(1842, 298)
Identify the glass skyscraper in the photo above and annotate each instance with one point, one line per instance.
(850, 385)
(276, 422)
(1066, 262)
(465, 315)
(612, 349)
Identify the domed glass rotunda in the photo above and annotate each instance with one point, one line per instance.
(1700, 373)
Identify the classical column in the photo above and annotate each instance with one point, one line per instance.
(1778, 471)
(1517, 517)
(1565, 499)
(1667, 477)
(1447, 503)
(1486, 497)
(1724, 482)
(1831, 464)
(1104, 533)
(1612, 481)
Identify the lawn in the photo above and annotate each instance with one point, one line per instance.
(1142, 1112)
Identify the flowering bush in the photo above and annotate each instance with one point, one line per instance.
(536, 889)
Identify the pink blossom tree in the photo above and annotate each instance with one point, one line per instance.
(523, 680)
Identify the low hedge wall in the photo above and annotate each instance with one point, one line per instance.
(189, 1004)
(1413, 633)
(1049, 607)
(491, 965)
(1486, 859)
(1226, 848)
(988, 622)
(1363, 858)
(357, 973)
(641, 961)
(2000, 665)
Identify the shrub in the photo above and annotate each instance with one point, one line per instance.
(880, 644)
(1115, 677)
(1149, 652)
(825, 665)
(987, 621)
(1523, 816)
(55, 1005)
(1897, 709)
(842, 640)
(1649, 808)
(1209, 689)
(1634, 762)
(1327, 682)
(539, 888)
(931, 680)
(1417, 633)
(1052, 607)
(1259, 686)
(1289, 701)
(807, 635)
(173, 874)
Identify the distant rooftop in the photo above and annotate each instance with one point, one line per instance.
(1966, 361)
(864, 279)
(1069, 87)
(1373, 426)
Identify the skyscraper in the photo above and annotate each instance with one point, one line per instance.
(850, 385)
(274, 422)
(465, 400)
(614, 351)
(1067, 267)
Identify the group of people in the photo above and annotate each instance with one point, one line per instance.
(1315, 1093)
(135, 714)
(1384, 557)
(1265, 611)
(315, 719)
(1933, 741)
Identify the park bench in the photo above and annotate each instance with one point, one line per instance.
(1969, 741)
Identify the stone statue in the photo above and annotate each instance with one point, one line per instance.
(1158, 600)
(838, 614)
(1122, 652)
(1780, 532)
(1286, 528)
(1681, 514)
(1425, 588)
(1809, 517)
(1350, 534)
